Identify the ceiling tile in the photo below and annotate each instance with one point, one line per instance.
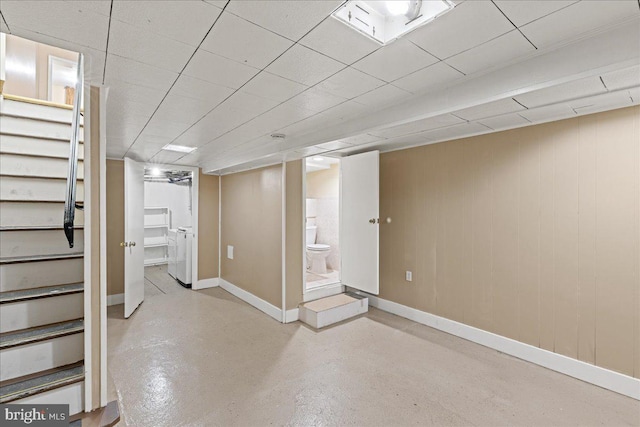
(244, 42)
(166, 128)
(217, 3)
(602, 102)
(505, 121)
(395, 60)
(305, 66)
(489, 109)
(548, 113)
(454, 132)
(137, 73)
(522, 12)
(620, 79)
(418, 126)
(492, 54)
(129, 93)
(338, 41)
(291, 19)
(75, 22)
(361, 139)
(430, 78)
(469, 24)
(383, 96)
(131, 42)
(184, 21)
(182, 109)
(216, 69)
(252, 104)
(349, 83)
(270, 86)
(570, 22)
(563, 92)
(167, 157)
(200, 89)
(316, 100)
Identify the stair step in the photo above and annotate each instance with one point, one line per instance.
(40, 333)
(30, 385)
(36, 227)
(17, 144)
(42, 167)
(55, 271)
(37, 293)
(336, 308)
(36, 189)
(21, 126)
(13, 106)
(16, 243)
(38, 258)
(34, 214)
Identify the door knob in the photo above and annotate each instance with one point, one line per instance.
(124, 244)
(132, 243)
(372, 221)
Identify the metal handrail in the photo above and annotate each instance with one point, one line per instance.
(70, 199)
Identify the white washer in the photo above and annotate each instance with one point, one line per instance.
(173, 252)
(184, 239)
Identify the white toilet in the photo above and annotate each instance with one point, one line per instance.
(317, 253)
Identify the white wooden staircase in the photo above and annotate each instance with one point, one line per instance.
(41, 278)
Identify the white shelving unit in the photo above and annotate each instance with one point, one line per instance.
(156, 235)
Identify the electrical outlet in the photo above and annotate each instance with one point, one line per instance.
(229, 251)
(408, 276)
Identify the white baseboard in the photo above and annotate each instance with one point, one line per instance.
(291, 315)
(322, 292)
(251, 299)
(115, 299)
(601, 377)
(205, 284)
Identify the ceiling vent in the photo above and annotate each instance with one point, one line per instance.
(385, 21)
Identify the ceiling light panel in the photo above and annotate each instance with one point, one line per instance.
(179, 148)
(385, 21)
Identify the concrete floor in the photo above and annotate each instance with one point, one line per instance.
(205, 358)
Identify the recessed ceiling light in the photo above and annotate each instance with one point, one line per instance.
(155, 171)
(179, 148)
(318, 159)
(385, 21)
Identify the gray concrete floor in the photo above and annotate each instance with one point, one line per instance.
(158, 282)
(205, 358)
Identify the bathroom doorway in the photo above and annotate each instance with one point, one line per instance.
(322, 223)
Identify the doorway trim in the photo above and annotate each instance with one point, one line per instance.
(195, 185)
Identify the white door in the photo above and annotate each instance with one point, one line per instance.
(133, 235)
(359, 224)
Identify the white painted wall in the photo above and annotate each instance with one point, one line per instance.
(175, 197)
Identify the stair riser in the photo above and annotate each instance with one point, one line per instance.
(16, 214)
(27, 275)
(40, 356)
(72, 395)
(38, 242)
(36, 146)
(14, 164)
(36, 128)
(328, 317)
(38, 312)
(36, 189)
(36, 111)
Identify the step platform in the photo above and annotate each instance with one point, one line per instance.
(327, 311)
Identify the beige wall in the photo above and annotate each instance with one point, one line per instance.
(208, 225)
(252, 224)
(532, 234)
(294, 236)
(115, 227)
(324, 184)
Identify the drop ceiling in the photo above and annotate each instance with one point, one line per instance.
(223, 76)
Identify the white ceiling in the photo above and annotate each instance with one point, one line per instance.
(225, 75)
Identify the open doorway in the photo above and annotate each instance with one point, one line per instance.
(322, 222)
(168, 230)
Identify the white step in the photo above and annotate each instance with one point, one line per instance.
(40, 356)
(16, 214)
(46, 167)
(37, 111)
(327, 311)
(36, 128)
(43, 311)
(28, 275)
(24, 242)
(29, 145)
(36, 189)
(72, 395)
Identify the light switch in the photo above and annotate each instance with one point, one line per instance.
(408, 276)
(229, 251)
